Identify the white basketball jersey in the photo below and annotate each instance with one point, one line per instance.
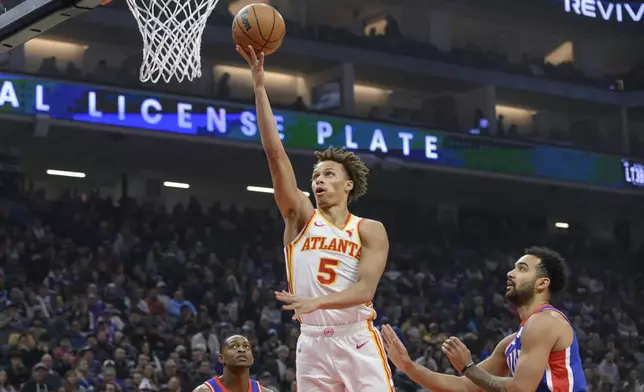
(323, 259)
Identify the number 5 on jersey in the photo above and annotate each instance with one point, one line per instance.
(326, 271)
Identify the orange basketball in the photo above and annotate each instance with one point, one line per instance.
(260, 26)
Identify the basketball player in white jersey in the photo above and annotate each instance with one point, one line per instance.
(334, 262)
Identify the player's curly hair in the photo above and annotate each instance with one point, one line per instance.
(355, 167)
(552, 265)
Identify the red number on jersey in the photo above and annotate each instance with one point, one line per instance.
(326, 271)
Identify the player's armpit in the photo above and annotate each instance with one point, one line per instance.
(373, 258)
(294, 206)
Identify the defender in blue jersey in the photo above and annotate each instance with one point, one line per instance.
(236, 355)
(543, 355)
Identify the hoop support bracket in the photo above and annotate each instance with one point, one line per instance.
(31, 18)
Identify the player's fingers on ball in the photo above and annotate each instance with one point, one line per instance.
(253, 56)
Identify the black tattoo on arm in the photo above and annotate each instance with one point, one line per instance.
(485, 380)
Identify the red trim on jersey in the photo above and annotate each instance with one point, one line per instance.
(533, 313)
(347, 222)
(560, 370)
(343, 228)
(359, 237)
(224, 389)
(209, 386)
(299, 236)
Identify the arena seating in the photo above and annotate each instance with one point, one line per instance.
(116, 296)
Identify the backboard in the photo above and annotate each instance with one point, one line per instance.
(22, 20)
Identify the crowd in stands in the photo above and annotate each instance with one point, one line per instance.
(105, 296)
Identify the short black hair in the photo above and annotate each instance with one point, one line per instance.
(227, 340)
(552, 265)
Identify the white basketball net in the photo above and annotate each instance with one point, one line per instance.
(172, 32)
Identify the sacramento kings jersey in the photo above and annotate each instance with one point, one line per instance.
(564, 373)
(215, 385)
(323, 259)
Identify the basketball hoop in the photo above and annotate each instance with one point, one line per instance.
(172, 32)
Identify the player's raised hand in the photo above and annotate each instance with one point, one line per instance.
(396, 350)
(297, 304)
(457, 353)
(255, 63)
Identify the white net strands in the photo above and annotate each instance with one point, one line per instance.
(172, 31)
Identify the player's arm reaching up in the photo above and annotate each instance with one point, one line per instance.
(373, 259)
(295, 207)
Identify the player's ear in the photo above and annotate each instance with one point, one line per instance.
(543, 284)
(349, 186)
(221, 359)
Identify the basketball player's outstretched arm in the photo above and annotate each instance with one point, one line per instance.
(295, 207)
(438, 382)
(539, 336)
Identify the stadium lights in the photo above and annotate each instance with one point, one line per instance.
(65, 173)
(180, 185)
(263, 189)
(562, 225)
